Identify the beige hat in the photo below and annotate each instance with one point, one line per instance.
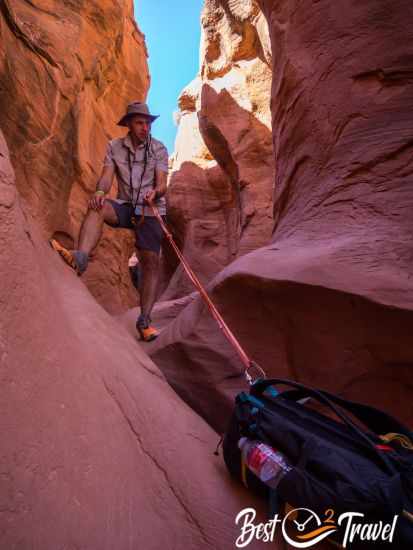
(136, 108)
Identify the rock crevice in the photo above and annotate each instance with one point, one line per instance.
(220, 189)
(322, 301)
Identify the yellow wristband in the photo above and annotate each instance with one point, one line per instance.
(99, 192)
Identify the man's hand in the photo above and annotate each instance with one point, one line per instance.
(103, 187)
(151, 196)
(97, 201)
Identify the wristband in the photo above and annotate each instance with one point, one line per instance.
(99, 192)
(157, 194)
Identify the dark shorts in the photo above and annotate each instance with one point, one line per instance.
(148, 234)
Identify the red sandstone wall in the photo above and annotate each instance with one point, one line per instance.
(221, 182)
(330, 301)
(67, 70)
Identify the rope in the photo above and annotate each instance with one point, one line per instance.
(247, 362)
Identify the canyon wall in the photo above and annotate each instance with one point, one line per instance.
(329, 302)
(90, 457)
(220, 188)
(67, 71)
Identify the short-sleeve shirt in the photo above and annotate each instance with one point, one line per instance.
(125, 159)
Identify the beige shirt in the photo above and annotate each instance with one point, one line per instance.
(129, 170)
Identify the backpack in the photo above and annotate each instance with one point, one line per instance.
(337, 466)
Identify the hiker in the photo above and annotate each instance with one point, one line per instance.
(140, 163)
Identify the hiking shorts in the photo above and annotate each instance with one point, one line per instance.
(148, 234)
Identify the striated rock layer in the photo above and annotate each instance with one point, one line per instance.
(220, 189)
(329, 301)
(67, 70)
(97, 451)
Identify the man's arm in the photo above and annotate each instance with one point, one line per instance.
(161, 175)
(106, 179)
(160, 183)
(160, 186)
(102, 188)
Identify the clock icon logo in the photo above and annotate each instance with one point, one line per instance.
(302, 528)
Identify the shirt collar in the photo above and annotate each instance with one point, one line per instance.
(127, 142)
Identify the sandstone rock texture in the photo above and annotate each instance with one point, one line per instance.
(329, 302)
(220, 189)
(97, 451)
(67, 70)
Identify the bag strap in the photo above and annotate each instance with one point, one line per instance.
(362, 412)
(374, 419)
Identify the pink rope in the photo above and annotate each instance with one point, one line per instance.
(197, 283)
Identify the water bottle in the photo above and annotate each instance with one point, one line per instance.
(265, 462)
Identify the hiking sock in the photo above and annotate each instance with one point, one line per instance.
(81, 260)
(143, 321)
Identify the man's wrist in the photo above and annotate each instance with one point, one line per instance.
(158, 194)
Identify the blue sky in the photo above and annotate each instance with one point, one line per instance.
(172, 32)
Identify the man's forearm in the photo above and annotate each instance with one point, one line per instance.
(160, 186)
(104, 185)
(160, 191)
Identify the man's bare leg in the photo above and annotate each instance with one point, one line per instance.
(92, 227)
(149, 262)
(90, 234)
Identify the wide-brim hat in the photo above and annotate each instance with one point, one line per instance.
(136, 108)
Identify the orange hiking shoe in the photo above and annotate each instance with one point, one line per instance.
(71, 257)
(146, 332)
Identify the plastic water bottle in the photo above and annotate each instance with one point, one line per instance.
(265, 462)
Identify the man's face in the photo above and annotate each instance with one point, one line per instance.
(139, 126)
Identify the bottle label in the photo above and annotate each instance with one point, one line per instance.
(257, 458)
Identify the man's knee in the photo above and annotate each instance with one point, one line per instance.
(92, 213)
(109, 214)
(106, 213)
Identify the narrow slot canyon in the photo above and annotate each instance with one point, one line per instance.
(289, 193)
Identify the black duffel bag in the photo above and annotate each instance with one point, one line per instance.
(336, 464)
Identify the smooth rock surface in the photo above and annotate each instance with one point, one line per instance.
(220, 188)
(97, 451)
